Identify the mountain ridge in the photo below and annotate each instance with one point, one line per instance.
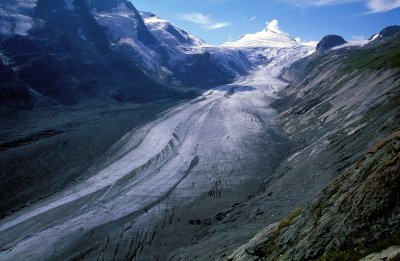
(346, 147)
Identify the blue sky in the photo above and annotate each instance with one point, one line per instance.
(217, 21)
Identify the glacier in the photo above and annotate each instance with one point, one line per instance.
(186, 157)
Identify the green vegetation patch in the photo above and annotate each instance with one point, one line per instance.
(289, 220)
(271, 247)
(381, 56)
(363, 250)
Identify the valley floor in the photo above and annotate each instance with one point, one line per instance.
(150, 195)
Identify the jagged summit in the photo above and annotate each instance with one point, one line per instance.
(168, 33)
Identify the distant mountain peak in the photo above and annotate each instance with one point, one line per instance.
(270, 36)
(329, 42)
(387, 32)
(168, 33)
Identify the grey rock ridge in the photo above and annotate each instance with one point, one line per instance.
(342, 113)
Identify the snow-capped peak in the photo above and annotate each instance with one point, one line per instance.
(271, 36)
(169, 34)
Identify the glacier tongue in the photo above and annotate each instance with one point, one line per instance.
(213, 146)
(165, 166)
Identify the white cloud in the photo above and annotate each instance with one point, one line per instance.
(197, 18)
(319, 2)
(205, 20)
(217, 25)
(309, 43)
(274, 26)
(374, 6)
(379, 6)
(252, 18)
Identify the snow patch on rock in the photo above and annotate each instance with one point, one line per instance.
(81, 34)
(16, 16)
(351, 44)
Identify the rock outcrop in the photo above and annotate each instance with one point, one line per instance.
(358, 214)
(329, 42)
(389, 31)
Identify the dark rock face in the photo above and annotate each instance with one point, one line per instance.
(143, 33)
(105, 4)
(389, 31)
(202, 71)
(85, 59)
(12, 91)
(179, 35)
(329, 42)
(79, 63)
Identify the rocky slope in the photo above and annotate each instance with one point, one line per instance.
(358, 214)
(339, 104)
